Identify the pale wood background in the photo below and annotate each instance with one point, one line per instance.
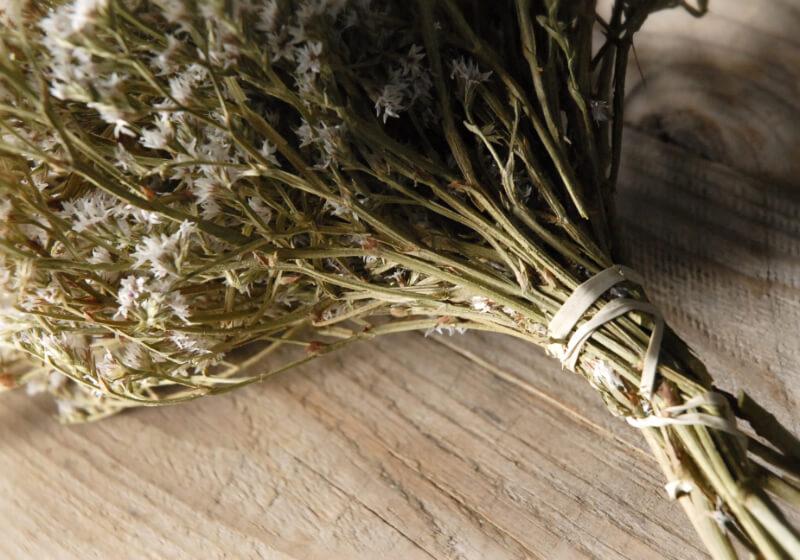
(473, 447)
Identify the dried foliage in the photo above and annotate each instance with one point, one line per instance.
(179, 180)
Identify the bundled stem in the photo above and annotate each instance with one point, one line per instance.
(179, 181)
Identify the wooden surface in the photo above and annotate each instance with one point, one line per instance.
(472, 447)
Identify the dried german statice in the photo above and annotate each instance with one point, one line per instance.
(181, 180)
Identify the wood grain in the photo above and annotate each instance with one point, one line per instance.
(477, 446)
(403, 448)
(722, 251)
(722, 257)
(725, 86)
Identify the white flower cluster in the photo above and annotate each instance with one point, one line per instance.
(328, 139)
(72, 66)
(481, 304)
(408, 83)
(151, 299)
(163, 253)
(445, 329)
(201, 135)
(468, 73)
(99, 208)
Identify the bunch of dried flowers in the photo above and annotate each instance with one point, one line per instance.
(180, 179)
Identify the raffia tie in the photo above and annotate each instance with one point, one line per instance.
(584, 297)
(574, 309)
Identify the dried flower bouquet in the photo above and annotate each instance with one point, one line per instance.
(180, 179)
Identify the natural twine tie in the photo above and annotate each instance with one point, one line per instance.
(584, 297)
(575, 308)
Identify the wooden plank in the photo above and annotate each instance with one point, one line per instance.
(721, 254)
(371, 452)
(724, 85)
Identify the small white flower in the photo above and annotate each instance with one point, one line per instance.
(207, 191)
(153, 138)
(262, 210)
(138, 215)
(180, 88)
(407, 83)
(89, 210)
(308, 58)
(268, 17)
(605, 376)
(600, 110)
(51, 294)
(191, 343)
(417, 76)
(158, 138)
(84, 13)
(134, 356)
(162, 252)
(722, 519)
(223, 48)
(281, 46)
(371, 261)
(297, 34)
(445, 329)
(412, 63)
(196, 73)
(112, 115)
(40, 182)
(267, 151)
(107, 366)
(336, 209)
(182, 85)
(124, 160)
(524, 190)
(330, 137)
(174, 11)
(398, 276)
(177, 302)
(216, 146)
(313, 8)
(390, 102)
(481, 304)
(110, 86)
(467, 71)
(163, 63)
(305, 133)
(100, 255)
(131, 288)
(677, 488)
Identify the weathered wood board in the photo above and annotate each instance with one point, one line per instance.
(478, 446)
